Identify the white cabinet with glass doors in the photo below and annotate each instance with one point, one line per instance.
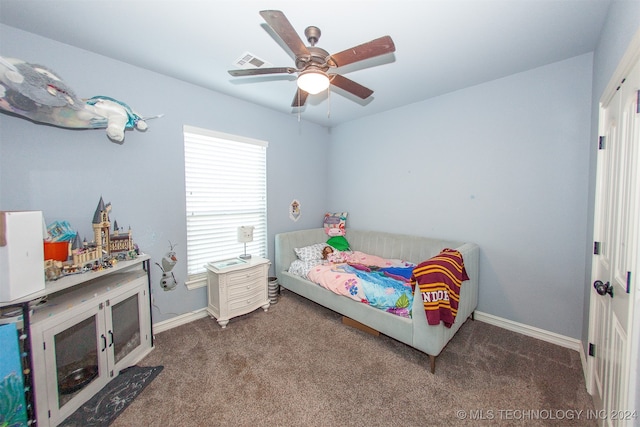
(82, 338)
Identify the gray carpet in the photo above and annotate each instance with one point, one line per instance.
(298, 365)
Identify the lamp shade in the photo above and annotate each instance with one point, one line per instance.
(245, 234)
(313, 81)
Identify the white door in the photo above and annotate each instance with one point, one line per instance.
(615, 251)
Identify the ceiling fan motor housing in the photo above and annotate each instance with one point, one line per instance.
(317, 57)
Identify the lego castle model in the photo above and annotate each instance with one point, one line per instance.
(106, 242)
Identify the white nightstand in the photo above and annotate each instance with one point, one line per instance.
(235, 288)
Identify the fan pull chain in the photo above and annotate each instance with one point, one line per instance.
(328, 103)
(298, 95)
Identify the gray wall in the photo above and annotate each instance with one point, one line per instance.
(65, 172)
(503, 164)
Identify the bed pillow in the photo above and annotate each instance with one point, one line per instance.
(301, 268)
(310, 253)
(338, 242)
(335, 223)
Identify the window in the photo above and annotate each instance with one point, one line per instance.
(226, 187)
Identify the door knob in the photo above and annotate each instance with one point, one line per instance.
(603, 288)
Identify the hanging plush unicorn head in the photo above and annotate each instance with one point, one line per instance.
(39, 94)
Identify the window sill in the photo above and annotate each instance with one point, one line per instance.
(196, 282)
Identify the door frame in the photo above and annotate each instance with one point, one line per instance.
(626, 64)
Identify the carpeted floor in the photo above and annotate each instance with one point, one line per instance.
(298, 365)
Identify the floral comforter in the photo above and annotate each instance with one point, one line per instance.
(378, 282)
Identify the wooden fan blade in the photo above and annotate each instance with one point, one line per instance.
(300, 98)
(364, 51)
(285, 31)
(260, 71)
(350, 86)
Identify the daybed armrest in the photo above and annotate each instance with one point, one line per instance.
(285, 243)
(429, 337)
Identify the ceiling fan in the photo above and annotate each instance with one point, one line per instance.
(313, 64)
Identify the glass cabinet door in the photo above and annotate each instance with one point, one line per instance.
(125, 326)
(78, 346)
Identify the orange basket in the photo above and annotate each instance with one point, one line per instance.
(58, 251)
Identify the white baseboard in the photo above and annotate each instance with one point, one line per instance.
(180, 320)
(541, 334)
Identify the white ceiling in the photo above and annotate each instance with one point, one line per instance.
(441, 45)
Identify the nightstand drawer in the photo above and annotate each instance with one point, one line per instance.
(239, 278)
(241, 304)
(256, 287)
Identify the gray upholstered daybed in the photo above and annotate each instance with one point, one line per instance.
(415, 331)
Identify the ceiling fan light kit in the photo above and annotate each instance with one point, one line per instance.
(313, 63)
(313, 81)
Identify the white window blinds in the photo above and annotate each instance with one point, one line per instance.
(226, 187)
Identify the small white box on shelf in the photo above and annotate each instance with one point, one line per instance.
(21, 254)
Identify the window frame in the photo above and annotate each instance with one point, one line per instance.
(242, 162)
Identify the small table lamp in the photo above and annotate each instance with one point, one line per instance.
(245, 235)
